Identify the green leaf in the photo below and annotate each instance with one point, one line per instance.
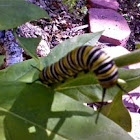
(1, 59)
(29, 45)
(10, 18)
(38, 113)
(131, 76)
(85, 87)
(9, 92)
(62, 49)
(23, 72)
(118, 113)
(138, 45)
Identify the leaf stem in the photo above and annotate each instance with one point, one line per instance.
(131, 58)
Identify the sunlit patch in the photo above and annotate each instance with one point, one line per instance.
(32, 129)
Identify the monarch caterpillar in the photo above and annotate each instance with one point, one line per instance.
(85, 58)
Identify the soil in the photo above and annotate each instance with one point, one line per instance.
(130, 9)
(66, 23)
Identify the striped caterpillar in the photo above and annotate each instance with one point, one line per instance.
(85, 58)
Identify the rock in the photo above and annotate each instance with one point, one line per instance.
(13, 52)
(116, 29)
(30, 31)
(108, 4)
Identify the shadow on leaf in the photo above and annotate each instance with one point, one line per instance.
(38, 113)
